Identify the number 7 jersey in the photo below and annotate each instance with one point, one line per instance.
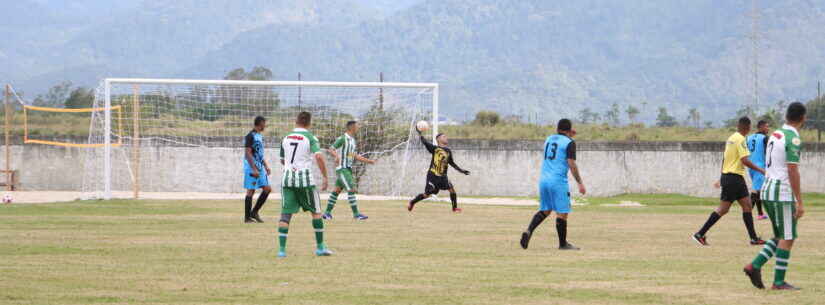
(783, 148)
(298, 149)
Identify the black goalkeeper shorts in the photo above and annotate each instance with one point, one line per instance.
(437, 183)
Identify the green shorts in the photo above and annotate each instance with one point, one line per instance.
(782, 218)
(345, 179)
(294, 199)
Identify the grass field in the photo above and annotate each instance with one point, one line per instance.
(199, 252)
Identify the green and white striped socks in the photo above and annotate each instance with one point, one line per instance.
(782, 257)
(282, 234)
(318, 225)
(353, 204)
(765, 254)
(333, 197)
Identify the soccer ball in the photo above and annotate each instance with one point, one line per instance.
(7, 198)
(422, 126)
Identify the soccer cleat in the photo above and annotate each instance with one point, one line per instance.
(457, 210)
(762, 217)
(755, 275)
(525, 239)
(257, 218)
(569, 246)
(410, 206)
(326, 216)
(323, 252)
(249, 220)
(281, 254)
(360, 217)
(757, 241)
(701, 239)
(784, 286)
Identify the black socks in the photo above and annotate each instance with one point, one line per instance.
(561, 228)
(418, 198)
(747, 217)
(454, 200)
(247, 207)
(260, 203)
(714, 217)
(538, 218)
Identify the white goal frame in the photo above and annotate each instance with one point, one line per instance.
(107, 109)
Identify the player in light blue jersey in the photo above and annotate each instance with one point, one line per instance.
(554, 190)
(255, 171)
(757, 143)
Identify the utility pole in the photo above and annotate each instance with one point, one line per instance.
(754, 37)
(818, 104)
(7, 109)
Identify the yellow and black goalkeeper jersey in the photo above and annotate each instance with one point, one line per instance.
(442, 156)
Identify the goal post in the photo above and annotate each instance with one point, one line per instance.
(185, 135)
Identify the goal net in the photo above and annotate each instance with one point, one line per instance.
(187, 135)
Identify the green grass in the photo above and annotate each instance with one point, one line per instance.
(198, 252)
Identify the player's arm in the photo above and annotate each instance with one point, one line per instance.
(793, 176)
(765, 148)
(792, 155)
(250, 159)
(281, 154)
(429, 145)
(315, 148)
(364, 159)
(574, 168)
(745, 154)
(451, 161)
(747, 162)
(333, 150)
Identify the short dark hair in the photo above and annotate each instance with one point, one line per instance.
(304, 118)
(259, 119)
(761, 123)
(744, 121)
(350, 123)
(565, 125)
(796, 111)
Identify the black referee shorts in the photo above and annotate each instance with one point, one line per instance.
(733, 187)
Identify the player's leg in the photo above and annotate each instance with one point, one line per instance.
(289, 206)
(283, 232)
(311, 202)
(349, 183)
(265, 190)
(333, 197)
(721, 210)
(747, 218)
(561, 204)
(786, 225)
(453, 198)
(247, 206)
(429, 190)
(545, 207)
(753, 270)
(250, 184)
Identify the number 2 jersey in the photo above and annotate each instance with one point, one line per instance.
(298, 149)
(557, 149)
(783, 148)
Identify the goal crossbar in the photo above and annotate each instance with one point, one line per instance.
(160, 81)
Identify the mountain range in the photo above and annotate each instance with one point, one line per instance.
(537, 58)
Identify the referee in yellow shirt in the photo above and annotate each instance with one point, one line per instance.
(733, 184)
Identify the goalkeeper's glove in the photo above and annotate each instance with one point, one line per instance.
(466, 172)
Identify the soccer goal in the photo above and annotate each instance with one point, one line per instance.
(179, 135)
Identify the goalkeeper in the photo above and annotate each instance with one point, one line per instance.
(437, 179)
(344, 151)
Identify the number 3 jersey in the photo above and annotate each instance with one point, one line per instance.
(783, 148)
(557, 149)
(298, 149)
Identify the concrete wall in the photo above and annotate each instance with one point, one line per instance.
(500, 168)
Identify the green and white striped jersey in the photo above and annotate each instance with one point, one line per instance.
(297, 151)
(345, 147)
(783, 148)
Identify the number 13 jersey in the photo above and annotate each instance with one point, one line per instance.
(557, 149)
